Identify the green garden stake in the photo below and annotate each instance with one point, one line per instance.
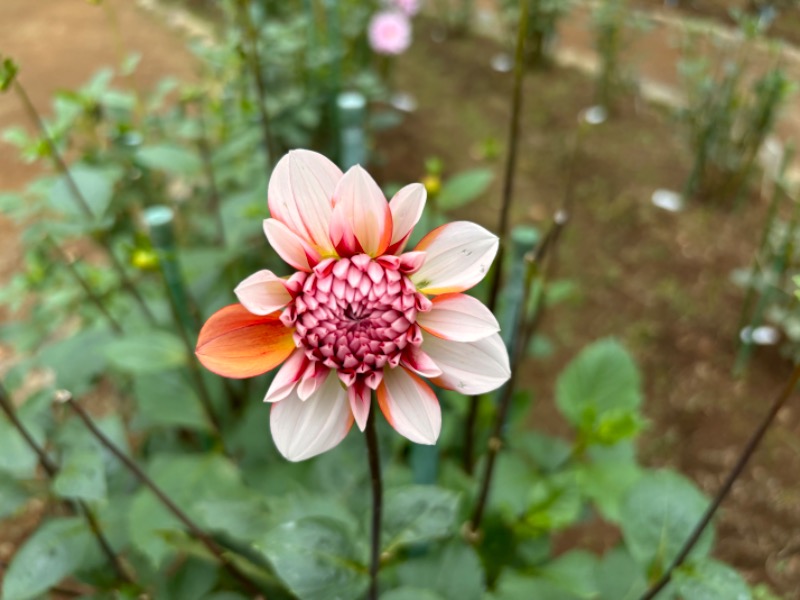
(523, 240)
(351, 108)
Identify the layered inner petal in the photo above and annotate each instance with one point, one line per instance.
(287, 377)
(469, 367)
(300, 195)
(458, 317)
(406, 207)
(362, 220)
(302, 429)
(236, 343)
(263, 293)
(410, 406)
(458, 256)
(290, 246)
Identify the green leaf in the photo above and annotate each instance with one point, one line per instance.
(81, 475)
(453, 571)
(603, 378)
(410, 593)
(661, 511)
(317, 558)
(513, 586)
(170, 158)
(77, 360)
(96, 185)
(8, 72)
(54, 551)
(147, 352)
(709, 579)
(188, 480)
(418, 513)
(12, 495)
(463, 188)
(619, 577)
(193, 580)
(513, 481)
(606, 485)
(243, 518)
(167, 400)
(547, 451)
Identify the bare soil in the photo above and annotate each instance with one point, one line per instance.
(658, 281)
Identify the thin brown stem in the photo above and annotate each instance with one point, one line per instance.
(373, 455)
(253, 59)
(505, 212)
(193, 528)
(87, 289)
(51, 470)
(538, 268)
(77, 195)
(727, 485)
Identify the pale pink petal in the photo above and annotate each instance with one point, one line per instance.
(459, 255)
(458, 317)
(302, 429)
(410, 406)
(362, 221)
(311, 379)
(300, 195)
(469, 367)
(290, 246)
(263, 293)
(419, 362)
(360, 396)
(406, 206)
(287, 376)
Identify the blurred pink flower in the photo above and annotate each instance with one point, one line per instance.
(407, 7)
(356, 315)
(389, 32)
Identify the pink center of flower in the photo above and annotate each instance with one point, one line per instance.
(357, 315)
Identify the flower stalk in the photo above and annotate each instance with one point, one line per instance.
(734, 474)
(204, 538)
(505, 212)
(373, 455)
(51, 470)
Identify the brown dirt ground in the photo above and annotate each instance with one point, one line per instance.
(656, 280)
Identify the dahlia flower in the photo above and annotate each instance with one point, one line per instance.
(389, 32)
(359, 314)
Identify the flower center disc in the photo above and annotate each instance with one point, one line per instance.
(355, 315)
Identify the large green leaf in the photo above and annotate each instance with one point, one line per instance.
(410, 593)
(17, 458)
(661, 510)
(453, 571)
(463, 188)
(317, 558)
(77, 360)
(619, 577)
(709, 579)
(602, 379)
(418, 513)
(170, 158)
(96, 185)
(54, 551)
(81, 475)
(12, 495)
(167, 400)
(146, 352)
(606, 485)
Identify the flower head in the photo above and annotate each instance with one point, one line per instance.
(389, 32)
(359, 314)
(407, 7)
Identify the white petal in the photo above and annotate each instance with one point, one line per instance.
(302, 429)
(290, 246)
(469, 367)
(459, 255)
(458, 317)
(361, 218)
(406, 206)
(360, 397)
(263, 293)
(410, 406)
(287, 376)
(300, 195)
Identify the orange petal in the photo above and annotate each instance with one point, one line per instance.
(236, 343)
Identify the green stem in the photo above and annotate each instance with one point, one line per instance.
(373, 456)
